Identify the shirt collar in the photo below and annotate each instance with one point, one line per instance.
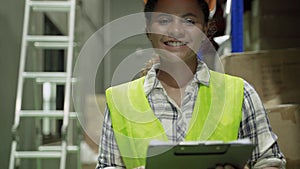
(202, 76)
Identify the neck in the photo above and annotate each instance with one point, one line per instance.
(177, 74)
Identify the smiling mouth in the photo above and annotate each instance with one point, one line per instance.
(175, 43)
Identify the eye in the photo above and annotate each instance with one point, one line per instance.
(189, 21)
(164, 21)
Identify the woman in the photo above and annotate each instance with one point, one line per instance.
(176, 100)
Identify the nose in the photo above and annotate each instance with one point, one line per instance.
(176, 29)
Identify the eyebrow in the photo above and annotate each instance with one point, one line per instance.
(164, 14)
(182, 16)
(188, 14)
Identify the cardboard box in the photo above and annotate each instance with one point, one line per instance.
(274, 24)
(274, 74)
(274, 43)
(267, 7)
(93, 119)
(285, 122)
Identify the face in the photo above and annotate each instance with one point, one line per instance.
(176, 27)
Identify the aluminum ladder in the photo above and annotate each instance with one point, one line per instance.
(51, 43)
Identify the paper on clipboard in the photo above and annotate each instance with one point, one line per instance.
(198, 154)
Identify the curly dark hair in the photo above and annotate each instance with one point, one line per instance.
(150, 5)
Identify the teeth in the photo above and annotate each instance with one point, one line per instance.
(176, 44)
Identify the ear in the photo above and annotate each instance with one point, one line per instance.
(147, 31)
(205, 29)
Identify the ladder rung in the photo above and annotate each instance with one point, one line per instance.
(51, 45)
(58, 148)
(43, 113)
(46, 38)
(37, 154)
(59, 6)
(47, 75)
(54, 80)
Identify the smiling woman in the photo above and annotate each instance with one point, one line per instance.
(178, 33)
(174, 29)
(180, 99)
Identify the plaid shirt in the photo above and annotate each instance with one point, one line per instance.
(175, 120)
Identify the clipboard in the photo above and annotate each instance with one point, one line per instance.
(198, 155)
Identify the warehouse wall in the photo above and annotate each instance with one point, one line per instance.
(11, 17)
(11, 20)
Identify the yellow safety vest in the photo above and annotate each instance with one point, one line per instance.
(216, 116)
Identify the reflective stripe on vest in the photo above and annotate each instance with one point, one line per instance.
(216, 116)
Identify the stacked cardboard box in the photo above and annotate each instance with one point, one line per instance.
(274, 24)
(285, 120)
(275, 75)
(93, 117)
